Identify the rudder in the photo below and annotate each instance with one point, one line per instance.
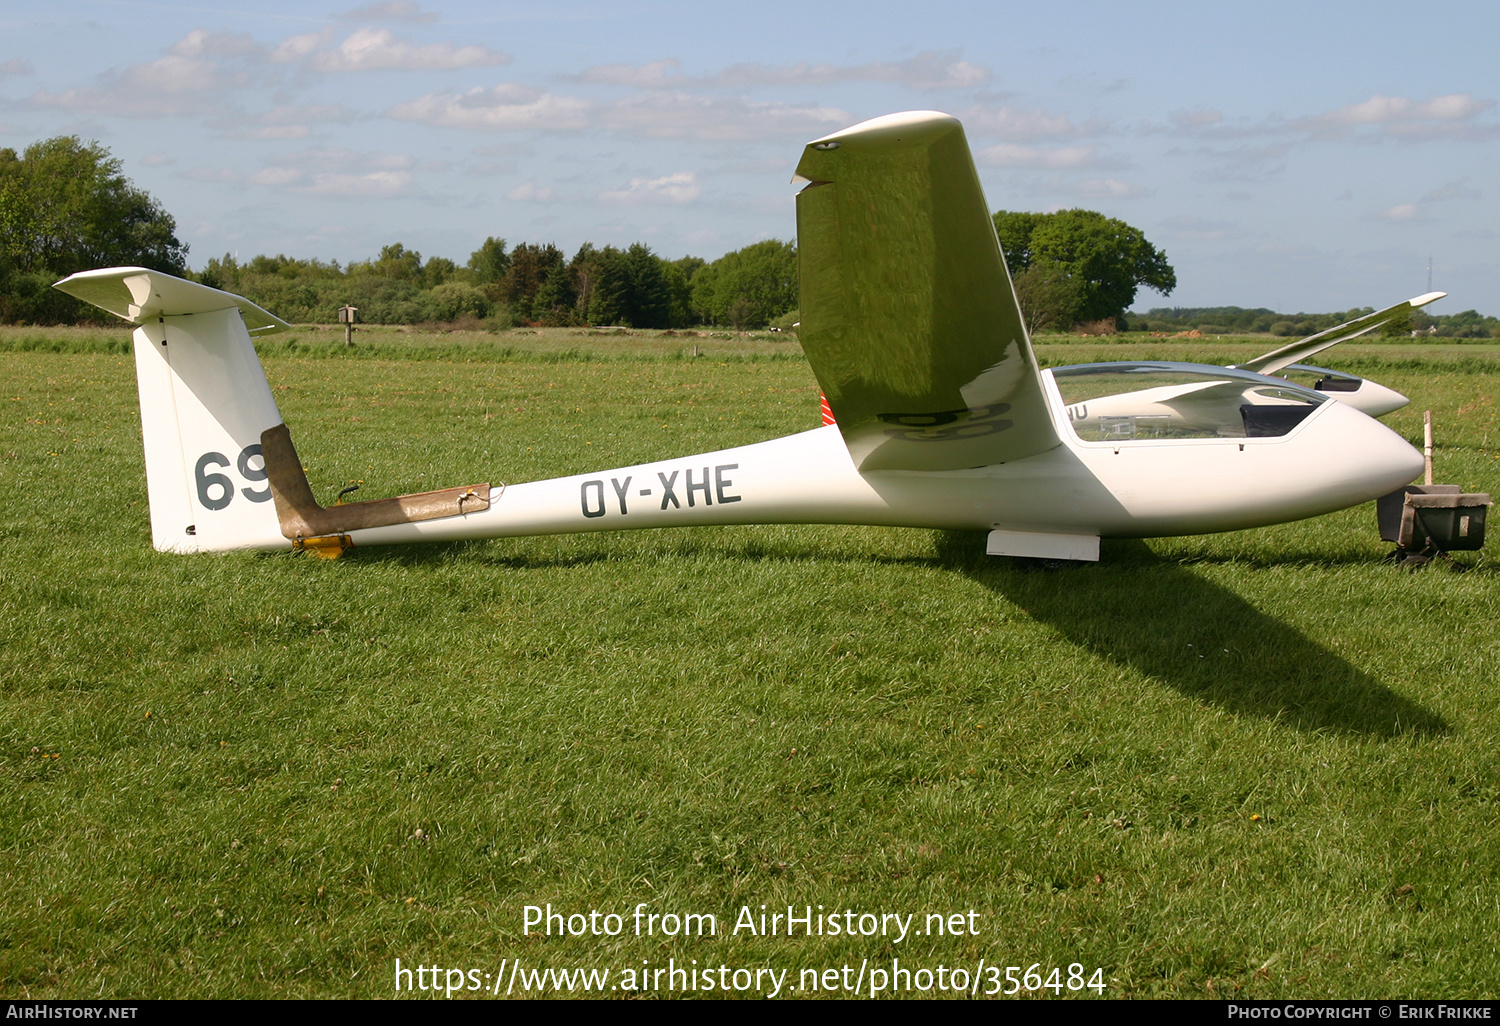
(204, 404)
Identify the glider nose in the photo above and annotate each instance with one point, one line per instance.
(1374, 399)
(1377, 458)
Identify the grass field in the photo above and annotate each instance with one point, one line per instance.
(1260, 764)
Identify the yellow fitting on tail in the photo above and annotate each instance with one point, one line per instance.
(329, 547)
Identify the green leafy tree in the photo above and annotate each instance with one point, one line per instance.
(454, 299)
(749, 287)
(438, 270)
(679, 283)
(222, 273)
(65, 206)
(529, 266)
(1014, 229)
(1105, 259)
(556, 301)
(599, 283)
(395, 262)
(1049, 298)
(645, 295)
(583, 274)
(489, 263)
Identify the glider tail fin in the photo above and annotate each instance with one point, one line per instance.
(908, 315)
(204, 405)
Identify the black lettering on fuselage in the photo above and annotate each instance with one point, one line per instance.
(702, 487)
(620, 491)
(721, 482)
(583, 498)
(667, 494)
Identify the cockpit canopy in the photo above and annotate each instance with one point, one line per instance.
(1115, 402)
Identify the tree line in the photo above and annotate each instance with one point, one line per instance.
(66, 206)
(1234, 320)
(532, 283)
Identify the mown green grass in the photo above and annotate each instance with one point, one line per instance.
(1261, 763)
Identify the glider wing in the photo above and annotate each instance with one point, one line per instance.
(1300, 350)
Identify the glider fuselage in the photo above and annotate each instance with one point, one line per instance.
(1131, 487)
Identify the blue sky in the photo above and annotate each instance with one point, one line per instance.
(1292, 155)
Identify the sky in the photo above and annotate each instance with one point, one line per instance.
(1298, 156)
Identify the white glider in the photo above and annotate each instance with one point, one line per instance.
(911, 326)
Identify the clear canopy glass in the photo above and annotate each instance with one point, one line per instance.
(1121, 402)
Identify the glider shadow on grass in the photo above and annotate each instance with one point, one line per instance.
(1135, 609)
(1161, 619)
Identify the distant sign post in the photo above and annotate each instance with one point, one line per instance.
(348, 317)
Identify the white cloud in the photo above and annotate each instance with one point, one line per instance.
(276, 176)
(16, 66)
(1017, 125)
(931, 69)
(381, 50)
(158, 159)
(375, 185)
(1240, 163)
(170, 86)
(177, 74)
(339, 173)
(330, 159)
(679, 188)
(1383, 110)
(669, 115)
(1056, 158)
(272, 132)
(227, 44)
(655, 114)
(287, 121)
(492, 167)
(1455, 116)
(295, 48)
(529, 193)
(1401, 212)
(505, 107)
